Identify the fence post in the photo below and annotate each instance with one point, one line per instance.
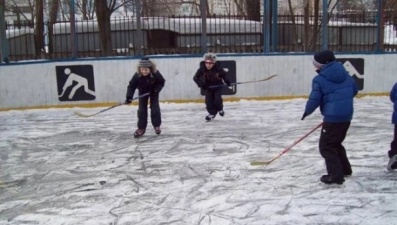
(139, 28)
(203, 12)
(275, 25)
(325, 24)
(3, 37)
(379, 28)
(266, 26)
(73, 46)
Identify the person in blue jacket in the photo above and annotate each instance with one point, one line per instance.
(392, 165)
(333, 90)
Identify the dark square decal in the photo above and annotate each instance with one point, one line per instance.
(355, 67)
(75, 83)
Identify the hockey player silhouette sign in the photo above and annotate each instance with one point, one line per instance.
(75, 83)
(355, 67)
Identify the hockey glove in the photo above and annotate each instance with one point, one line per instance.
(304, 116)
(128, 100)
(155, 92)
(204, 86)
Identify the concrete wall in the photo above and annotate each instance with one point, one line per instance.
(37, 84)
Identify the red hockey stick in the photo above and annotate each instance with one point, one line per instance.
(264, 163)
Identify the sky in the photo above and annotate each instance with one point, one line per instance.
(58, 168)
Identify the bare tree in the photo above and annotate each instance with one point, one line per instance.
(53, 16)
(253, 10)
(39, 27)
(87, 9)
(104, 10)
(15, 6)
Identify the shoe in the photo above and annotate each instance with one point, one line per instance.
(157, 130)
(139, 132)
(221, 112)
(209, 117)
(392, 165)
(328, 179)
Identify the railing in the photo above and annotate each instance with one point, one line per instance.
(183, 35)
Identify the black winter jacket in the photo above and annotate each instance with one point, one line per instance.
(215, 76)
(152, 83)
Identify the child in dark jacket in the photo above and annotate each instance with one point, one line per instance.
(333, 90)
(392, 165)
(209, 74)
(147, 79)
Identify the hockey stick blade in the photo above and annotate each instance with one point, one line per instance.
(81, 114)
(104, 110)
(264, 163)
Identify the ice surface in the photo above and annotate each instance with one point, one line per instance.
(57, 168)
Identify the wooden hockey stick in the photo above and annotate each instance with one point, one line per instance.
(264, 163)
(104, 110)
(244, 82)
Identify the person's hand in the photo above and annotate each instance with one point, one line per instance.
(155, 92)
(128, 100)
(304, 116)
(228, 84)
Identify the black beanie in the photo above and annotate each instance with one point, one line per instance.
(321, 59)
(145, 63)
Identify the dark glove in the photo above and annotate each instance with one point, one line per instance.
(304, 116)
(155, 92)
(128, 100)
(228, 84)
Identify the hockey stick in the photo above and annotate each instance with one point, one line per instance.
(111, 107)
(244, 82)
(264, 163)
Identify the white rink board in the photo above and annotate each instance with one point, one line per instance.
(35, 84)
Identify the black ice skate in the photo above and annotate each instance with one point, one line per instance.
(221, 112)
(209, 117)
(157, 130)
(139, 132)
(328, 179)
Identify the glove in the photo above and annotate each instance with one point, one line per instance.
(304, 116)
(155, 92)
(128, 100)
(228, 84)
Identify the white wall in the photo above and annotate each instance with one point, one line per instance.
(34, 84)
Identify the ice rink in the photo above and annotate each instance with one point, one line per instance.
(57, 168)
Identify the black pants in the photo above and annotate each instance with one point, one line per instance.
(393, 144)
(332, 150)
(214, 101)
(155, 113)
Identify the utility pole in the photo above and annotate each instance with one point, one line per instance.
(3, 37)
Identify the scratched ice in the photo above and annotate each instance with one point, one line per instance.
(57, 168)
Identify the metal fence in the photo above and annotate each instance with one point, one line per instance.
(354, 32)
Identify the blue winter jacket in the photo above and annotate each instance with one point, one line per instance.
(333, 89)
(393, 98)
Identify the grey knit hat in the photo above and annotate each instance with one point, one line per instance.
(210, 57)
(145, 63)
